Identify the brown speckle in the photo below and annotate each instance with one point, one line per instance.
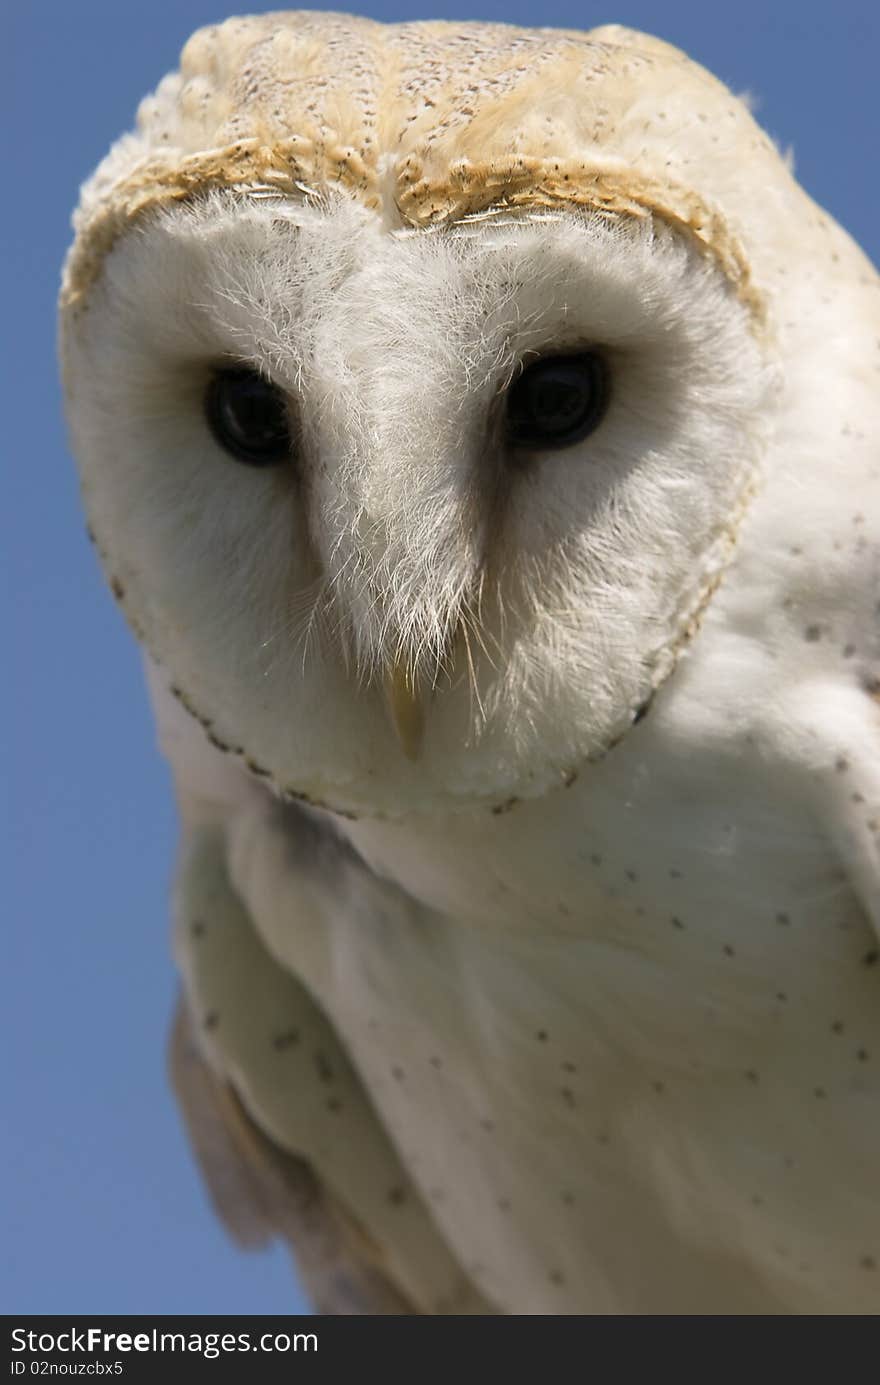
(289, 1038)
(322, 1067)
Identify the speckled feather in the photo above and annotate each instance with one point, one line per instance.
(428, 121)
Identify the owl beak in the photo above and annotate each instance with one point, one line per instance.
(406, 709)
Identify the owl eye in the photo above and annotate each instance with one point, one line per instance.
(248, 417)
(557, 401)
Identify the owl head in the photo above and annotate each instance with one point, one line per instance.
(421, 379)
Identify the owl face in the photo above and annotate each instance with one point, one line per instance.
(413, 514)
(434, 506)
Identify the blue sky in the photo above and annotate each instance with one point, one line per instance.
(105, 1211)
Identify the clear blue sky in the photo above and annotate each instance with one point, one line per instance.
(103, 1210)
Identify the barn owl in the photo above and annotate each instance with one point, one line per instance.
(478, 427)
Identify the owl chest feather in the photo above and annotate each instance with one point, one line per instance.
(616, 1069)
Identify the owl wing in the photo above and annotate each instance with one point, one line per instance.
(288, 1138)
(260, 1192)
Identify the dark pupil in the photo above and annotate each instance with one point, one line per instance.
(247, 416)
(557, 401)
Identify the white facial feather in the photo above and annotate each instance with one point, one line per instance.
(408, 534)
(595, 954)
